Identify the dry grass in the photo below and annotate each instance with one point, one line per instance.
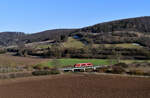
(135, 61)
(8, 60)
(73, 43)
(124, 45)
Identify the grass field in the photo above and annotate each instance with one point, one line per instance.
(70, 43)
(66, 62)
(124, 45)
(73, 43)
(8, 60)
(43, 46)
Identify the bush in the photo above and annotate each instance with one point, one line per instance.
(38, 67)
(54, 71)
(39, 73)
(12, 75)
(46, 68)
(102, 70)
(15, 75)
(136, 72)
(123, 65)
(117, 70)
(147, 73)
(89, 70)
(78, 70)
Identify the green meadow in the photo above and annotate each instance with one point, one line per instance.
(71, 62)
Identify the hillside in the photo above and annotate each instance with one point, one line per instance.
(139, 24)
(73, 43)
(132, 30)
(10, 38)
(15, 38)
(47, 35)
(126, 39)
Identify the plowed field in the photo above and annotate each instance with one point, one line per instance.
(76, 86)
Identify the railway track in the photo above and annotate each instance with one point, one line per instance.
(73, 69)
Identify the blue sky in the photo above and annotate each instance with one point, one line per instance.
(38, 15)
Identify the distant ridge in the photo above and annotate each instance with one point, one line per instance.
(139, 24)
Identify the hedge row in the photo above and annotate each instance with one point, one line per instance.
(15, 75)
(45, 72)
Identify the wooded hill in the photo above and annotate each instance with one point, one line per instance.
(125, 28)
(132, 30)
(94, 40)
(139, 24)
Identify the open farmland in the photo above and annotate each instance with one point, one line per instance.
(76, 86)
(66, 62)
(9, 60)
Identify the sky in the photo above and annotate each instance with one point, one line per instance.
(32, 16)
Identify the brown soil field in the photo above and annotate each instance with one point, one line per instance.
(76, 86)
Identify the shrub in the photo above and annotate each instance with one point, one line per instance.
(23, 74)
(46, 68)
(124, 65)
(89, 70)
(2, 51)
(117, 70)
(39, 73)
(38, 67)
(54, 71)
(109, 71)
(102, 70)
(136, 72)
(29, 68)
(147, 73)
(78, 70)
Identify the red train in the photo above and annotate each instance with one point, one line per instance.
(84, 65)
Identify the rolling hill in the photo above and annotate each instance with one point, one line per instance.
(139, 24)
(132, 30)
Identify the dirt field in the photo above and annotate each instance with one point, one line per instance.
(76, 86)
